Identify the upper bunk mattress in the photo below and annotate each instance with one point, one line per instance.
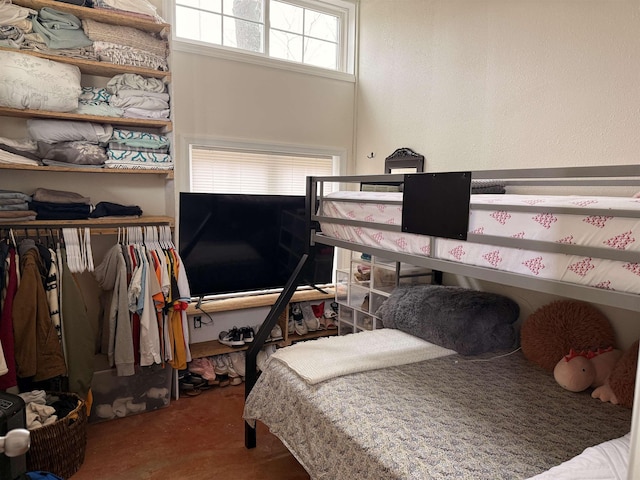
(499, 219)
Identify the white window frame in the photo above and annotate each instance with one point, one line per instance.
(346, 9)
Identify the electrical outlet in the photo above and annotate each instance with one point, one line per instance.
(197, 321)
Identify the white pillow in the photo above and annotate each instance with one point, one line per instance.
(37, 83)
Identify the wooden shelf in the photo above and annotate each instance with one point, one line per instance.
(99, 15)
(254, 301)
(165, 125)
(91, 67)
(104, 224)
(45, 168)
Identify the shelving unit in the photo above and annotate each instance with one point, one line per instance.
(105, 70)
(213, 347)
(364, 286)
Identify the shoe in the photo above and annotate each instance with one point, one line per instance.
(299, 325)
(276, 333)
(232, 338)
(238, 360)
(318, 311)
(234, 377)
(310, 319)
(247, 334)
(330, 315)
(221, 367)
(291, 325)
(203, 367)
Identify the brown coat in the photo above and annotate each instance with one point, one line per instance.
(38, 352)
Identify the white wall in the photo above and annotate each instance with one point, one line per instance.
(482, 84)
(495, 84)
(223, 99)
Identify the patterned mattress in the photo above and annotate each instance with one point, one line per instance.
(496, 219)
(446, 418)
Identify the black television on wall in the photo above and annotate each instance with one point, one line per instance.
(239, 242)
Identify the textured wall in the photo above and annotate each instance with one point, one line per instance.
(495, 84)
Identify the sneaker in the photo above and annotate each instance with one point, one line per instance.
(318, 311)
(232, 338)
(276, 333)
(330, 316)
(203, 367)
(234, 377)
(220, 366)
(248, 334)
(238, 360)
(299, 325)
(310, 319)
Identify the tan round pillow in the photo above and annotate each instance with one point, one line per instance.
(551, 331)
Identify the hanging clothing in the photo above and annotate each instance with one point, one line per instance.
(80, 335)
(111, 275)
(38, 351)
(9, 380)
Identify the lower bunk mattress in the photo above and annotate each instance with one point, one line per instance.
(443, 418)
(499, 218)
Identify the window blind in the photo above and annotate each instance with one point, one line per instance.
(235, 171)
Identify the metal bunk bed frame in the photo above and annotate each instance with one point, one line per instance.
(445, 191)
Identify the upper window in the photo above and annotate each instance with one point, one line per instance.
(306, 32)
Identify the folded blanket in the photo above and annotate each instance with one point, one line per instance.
(133, 57)
(45, 195)
(138, 157)
(94, 94)
(138, 165)
(60, 211)
(127, 36)
(134, 139)
(13, 194)
(59, 29)
(140, 99)
(78, 153)
(329, 357)
(133, 112)
(53, 131)
(103, 109)
(133, 81)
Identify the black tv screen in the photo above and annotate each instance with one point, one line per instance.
(238, 243)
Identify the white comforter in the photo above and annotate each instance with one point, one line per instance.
(607, 461)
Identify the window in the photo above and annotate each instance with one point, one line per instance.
(234, 170)
(313, 33)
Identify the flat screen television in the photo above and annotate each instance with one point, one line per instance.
(238, 243)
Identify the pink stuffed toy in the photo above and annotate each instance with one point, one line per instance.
(610, 372)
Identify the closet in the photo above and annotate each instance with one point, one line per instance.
(150, 189)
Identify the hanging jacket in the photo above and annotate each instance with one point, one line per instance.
(38, 352)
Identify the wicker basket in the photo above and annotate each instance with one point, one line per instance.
(59, 448)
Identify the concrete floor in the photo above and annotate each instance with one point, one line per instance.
(199, 438)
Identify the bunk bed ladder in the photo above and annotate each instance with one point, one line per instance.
(251, 374)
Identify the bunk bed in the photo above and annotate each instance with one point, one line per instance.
(452, 416)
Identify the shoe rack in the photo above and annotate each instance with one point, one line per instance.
(365, 284)
(214, 347)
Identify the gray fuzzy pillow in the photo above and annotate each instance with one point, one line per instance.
(467, 321)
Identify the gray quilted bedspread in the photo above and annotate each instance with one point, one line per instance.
(443, 418)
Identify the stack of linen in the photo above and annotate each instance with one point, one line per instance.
(70, 143)
(138, 8)
(126, 45)
(14, 207)
(95, 101)
(14, 24)
(138, 150)
(59, 205)
(18, 152)
(139, 97)
(58, 33)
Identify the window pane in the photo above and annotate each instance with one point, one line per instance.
(286, 17)
(198, 25)
(320, 25)
(285, 45)
(321, 54)
(246, 9)
(242, 34)
(208, 5)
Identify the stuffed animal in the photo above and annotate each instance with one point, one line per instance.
(576, 341)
